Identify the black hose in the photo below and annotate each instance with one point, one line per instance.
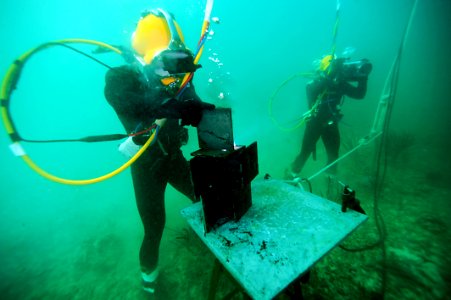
(85, 54)
(88, 139)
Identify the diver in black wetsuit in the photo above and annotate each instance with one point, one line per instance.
(142, 93)
(324, 95)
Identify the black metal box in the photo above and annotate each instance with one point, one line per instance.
(222, 181)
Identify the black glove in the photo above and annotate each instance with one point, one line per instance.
(189, 111)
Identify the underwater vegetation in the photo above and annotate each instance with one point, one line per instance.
(398, 145)
(95, 247)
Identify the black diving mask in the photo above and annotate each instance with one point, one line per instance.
(173, 62)
(170, 67)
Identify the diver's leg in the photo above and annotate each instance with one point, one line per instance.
(311, 135)
(149, 181)
(331, 140)
(180, 175)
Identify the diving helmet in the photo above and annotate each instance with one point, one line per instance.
(159, 43)
(325, 62)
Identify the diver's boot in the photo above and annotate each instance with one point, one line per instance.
(149, 281)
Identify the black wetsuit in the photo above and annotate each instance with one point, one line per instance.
(324, 119)
(160, 164)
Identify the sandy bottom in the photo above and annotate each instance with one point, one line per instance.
(51, 263)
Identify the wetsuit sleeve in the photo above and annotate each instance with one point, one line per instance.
(312, 92)
(192, 112)
(356, 92)
(189, 108)
(125, 93)
(120, 86)
(309, 94)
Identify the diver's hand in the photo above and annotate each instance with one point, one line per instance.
(192, 111)
(189, 111)
(160, 122)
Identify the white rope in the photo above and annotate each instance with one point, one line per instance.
(362, 142)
